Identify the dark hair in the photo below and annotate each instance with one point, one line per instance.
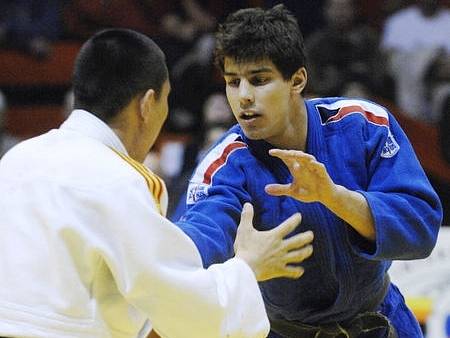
(113, 67)
(255, 34)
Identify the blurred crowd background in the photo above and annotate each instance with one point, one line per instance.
(395, 52)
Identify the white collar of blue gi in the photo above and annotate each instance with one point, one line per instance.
(83, 122)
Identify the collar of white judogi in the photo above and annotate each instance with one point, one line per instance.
(83, 122)
(88, 124)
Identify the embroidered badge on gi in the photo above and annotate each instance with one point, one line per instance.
(196, 192)
(391, 147)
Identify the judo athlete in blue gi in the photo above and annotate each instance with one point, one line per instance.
(344, 164)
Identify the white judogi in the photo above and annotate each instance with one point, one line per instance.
(85, 253)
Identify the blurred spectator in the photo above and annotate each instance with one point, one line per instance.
(187, 21)
(173, 24)
(192, 82)
(30, 25)
(344, 54)
(85, 17)
(182, 25)
(416, 41)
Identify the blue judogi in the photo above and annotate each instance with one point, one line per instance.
(364, 149)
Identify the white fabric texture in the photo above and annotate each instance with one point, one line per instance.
(84, 252)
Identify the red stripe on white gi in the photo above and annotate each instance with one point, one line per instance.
(213, 167)
(372, 112)
(216, 158)
(371, 117)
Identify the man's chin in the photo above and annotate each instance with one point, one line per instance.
(253, 134)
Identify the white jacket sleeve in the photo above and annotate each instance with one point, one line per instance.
(158, 269)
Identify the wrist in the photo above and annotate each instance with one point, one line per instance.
(335, 197)
(249, 262)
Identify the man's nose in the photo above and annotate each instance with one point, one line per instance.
(246, 96)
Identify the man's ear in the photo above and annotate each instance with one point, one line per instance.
(146, 104)
(298, 80)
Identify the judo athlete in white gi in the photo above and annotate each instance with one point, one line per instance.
(85, 249)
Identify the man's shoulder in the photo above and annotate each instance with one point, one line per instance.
(335, 110)
(228, 151)
(66, 159)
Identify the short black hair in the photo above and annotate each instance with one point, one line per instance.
(113, 67)
(254, 34)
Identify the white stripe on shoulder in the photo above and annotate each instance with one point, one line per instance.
(366, 105)
(211, 157)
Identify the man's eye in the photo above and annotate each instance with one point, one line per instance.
(233, 82)
(259, 80)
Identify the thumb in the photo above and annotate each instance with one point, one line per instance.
(247, 216)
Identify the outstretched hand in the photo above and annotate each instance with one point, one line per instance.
(268, 253)
(310, 179)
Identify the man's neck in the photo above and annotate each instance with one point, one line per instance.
(296, 133)
(127, 129)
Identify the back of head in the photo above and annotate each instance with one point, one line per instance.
(112, 68)
(254, 34)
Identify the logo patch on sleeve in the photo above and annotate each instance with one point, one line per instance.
(196, 192)
(391, 147)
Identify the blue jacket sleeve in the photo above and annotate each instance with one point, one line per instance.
(213, 210)
(406, 209)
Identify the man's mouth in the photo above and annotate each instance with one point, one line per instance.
(248, 115)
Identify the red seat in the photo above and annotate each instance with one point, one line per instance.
(19, 69)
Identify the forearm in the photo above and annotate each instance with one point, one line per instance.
(353, 208)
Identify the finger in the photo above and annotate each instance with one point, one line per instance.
(247, 215)
(298, 256)
(278, 189)
(284, 153)
(288, 225)
(293, 272)
(287, 156)
(294, 159)
(299, 240)
(291, 155)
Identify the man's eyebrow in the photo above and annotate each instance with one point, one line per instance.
(251, 72)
